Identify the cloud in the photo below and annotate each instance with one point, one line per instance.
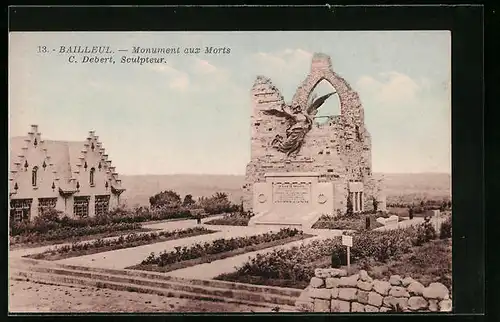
(288, 58)
(177, 80)
(392, 87)
(180, 82)
(203, 67)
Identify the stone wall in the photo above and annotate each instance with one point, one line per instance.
(331, 290)
(339, 149)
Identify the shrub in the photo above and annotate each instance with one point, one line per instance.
(235, 219)
(167, 198)
(425, 232)
(336, 260)
(445, 230)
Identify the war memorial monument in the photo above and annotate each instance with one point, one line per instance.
(301, 169)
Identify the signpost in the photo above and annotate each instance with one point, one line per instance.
(347, 241)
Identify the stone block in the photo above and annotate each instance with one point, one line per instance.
(393, 302)
(365, 286)
(357, 307)
(321, 305)
(331, 282)
(395, 280)
(369, 308)
(417, 303)
(436, 291)
(384, 309)
(316, 282)
(350, 281)
(340, 306)
(363, 297)
(445, 306)
(398, 291)
(305, 306)
(334, 292)
(348, 294)
(321, 293)
(415, 288)
(433, 305)
(381, 287)
(363, 275)
(407, 281)
(375, 299)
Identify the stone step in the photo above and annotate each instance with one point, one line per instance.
(283, 291)
(171, 285)
(93, 282)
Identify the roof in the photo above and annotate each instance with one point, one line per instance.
(64, 155)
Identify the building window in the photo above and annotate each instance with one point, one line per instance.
(81, 207)
(92, 173)
(34, 176)
(20, 209)
(45, 204)
(101, 205)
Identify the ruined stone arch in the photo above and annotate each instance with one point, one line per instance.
(321, 69)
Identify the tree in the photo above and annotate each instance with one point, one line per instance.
(375, 204)
(166, 198)
(350, 210)
(188, 201)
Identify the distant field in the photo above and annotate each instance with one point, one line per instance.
(141, 187)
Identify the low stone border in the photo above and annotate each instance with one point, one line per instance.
(331, 290)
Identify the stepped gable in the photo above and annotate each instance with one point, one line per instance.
(66, 159)
(19, 150)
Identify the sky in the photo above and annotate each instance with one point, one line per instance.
(192, 114)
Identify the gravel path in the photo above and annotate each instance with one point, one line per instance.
(30, 297)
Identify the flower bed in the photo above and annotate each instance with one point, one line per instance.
(62, 234)
(353, 222)
(296, 265)
(218, 249)
(128, 241)
(236, 219)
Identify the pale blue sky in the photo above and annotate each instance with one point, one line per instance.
(192, 114)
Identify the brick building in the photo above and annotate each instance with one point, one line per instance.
(73, 177)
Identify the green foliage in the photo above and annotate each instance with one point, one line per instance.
(216, 247)
(217, 204)
(355, 221)
(188, 201)
(165, 199)
(336, 260)
(445, 230)
(350, 209)
(375, 204)
(297, 264)
(425, 232)
(234, 219)
(130, 240)
(54, 225)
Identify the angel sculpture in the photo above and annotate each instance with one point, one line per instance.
(300, 123)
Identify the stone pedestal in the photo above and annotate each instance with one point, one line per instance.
(292, 199)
